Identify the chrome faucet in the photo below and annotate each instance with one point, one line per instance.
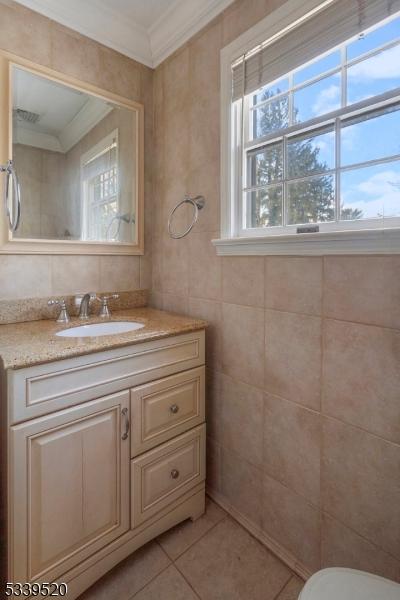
(63, 317)
(84, 305)
(104, 310)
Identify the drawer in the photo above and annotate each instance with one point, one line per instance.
(42, 389)
(165, 408)
(161, 476)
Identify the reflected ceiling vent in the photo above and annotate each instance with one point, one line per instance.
(25, 115)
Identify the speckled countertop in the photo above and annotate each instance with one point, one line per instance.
(35, 342)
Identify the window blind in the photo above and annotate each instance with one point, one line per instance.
(103, 161)
(324, 30)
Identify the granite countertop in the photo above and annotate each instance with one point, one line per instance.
(35, 342)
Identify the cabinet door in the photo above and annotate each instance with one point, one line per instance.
(69, 487)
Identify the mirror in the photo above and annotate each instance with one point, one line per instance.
(76, 156)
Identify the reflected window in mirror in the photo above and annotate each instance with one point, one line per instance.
(99, 177)
(75, 155)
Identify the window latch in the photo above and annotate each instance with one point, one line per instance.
(308, 229)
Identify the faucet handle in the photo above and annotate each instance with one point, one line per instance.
(104, 309)
(110, 297)
(63, 317)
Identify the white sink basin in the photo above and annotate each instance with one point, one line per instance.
(98, 329)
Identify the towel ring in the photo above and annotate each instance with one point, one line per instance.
(13, 215)
(198, 203)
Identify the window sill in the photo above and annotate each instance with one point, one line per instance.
(383, 241)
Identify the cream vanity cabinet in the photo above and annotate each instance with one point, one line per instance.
(105, 452)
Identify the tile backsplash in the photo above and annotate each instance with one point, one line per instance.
(35, 309)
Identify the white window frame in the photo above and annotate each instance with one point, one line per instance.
(353, 238)
(85, 158)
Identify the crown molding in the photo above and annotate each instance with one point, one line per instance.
(101, 22)
(182, 20)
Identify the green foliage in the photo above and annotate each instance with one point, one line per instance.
(309, 201)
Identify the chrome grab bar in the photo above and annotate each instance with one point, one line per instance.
(10, 171)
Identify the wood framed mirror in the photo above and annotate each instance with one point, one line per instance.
(77, 151)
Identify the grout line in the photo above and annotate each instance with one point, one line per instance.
(305, 314)
(150, 580)
(194, 542)
(359, 428)
(363, 323)
(307, 408)
(360, 535)
(288, 560)
(273, 309)
(314, 411)
(282, 589)
(317, 507)
(187, 581)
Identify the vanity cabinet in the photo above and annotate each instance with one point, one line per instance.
(105, 452)
(71, 470)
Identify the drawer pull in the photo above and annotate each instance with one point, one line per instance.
(174, 473)
(125, 415)
(174, 409)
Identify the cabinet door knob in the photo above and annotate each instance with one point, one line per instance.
(125, 415)
(174, 473)
(174, 409)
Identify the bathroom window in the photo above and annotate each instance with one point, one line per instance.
(99, 176)
(314, 127)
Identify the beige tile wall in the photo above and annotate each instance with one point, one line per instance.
(303, 353)
(41, 40)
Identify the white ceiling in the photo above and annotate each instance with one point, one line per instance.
(145, 30)
(65, 114)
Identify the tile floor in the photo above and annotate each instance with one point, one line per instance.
(213, 558)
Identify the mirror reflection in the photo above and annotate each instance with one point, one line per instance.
(75, 156)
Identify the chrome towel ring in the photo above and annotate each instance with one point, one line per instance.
(198, 203)
(14, 215)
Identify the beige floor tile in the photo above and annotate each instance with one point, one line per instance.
(229, 563)
(180, 538)
(292, 589)
(130, 576)
(168, 585)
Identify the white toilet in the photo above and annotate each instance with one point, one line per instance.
(349, 584)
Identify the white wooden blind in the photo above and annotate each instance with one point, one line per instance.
(324, 30)
(102, 162)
